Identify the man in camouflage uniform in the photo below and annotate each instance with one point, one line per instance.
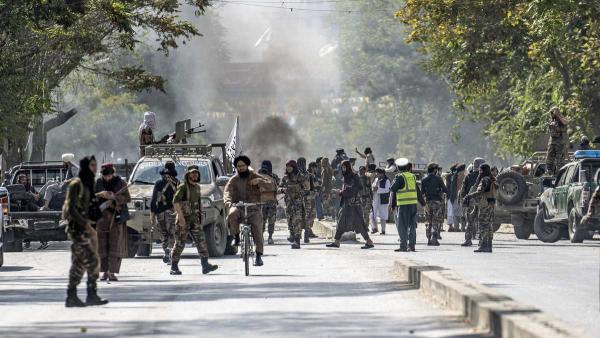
(366, 194)
(469, 207)
(270, 209)
(187, 203)
(81, 213)
(162, 209)
(485, 198)
(559, 139)
(433, 189)
(294, 186)
(310, 201)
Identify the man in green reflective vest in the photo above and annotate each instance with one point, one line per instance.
(405, 194)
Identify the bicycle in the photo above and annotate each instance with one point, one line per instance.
(246, 240)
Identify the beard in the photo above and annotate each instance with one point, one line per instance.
(244, 174)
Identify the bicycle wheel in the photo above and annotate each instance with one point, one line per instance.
(247, 252)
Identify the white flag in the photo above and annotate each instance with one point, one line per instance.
(233, 147)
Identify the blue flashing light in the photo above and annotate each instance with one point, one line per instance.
(581, 154)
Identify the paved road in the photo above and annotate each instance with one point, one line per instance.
(313, 292)
(560, 278)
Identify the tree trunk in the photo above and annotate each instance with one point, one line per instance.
(40, 133)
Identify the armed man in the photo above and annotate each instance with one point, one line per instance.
(469, 207)
(246, 186)
(270, 198)
(295, 186)
(433, 189)
(162, 208)
(187, 204)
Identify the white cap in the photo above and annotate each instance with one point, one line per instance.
(401, 162)
(68, 157)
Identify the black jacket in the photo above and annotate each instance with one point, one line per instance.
(156, 205)
(433, 188)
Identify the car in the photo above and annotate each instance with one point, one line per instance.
(566, 198)
(214, 175)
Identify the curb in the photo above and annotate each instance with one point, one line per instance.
(484, 308)
(326, 230)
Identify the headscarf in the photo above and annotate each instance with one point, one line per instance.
(477, 162)
(85, 174)
(302, 165)
(487, 172)
(349, 173)
(267, 166)
(149, 121)
(169, 169)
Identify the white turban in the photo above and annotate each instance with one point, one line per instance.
(68, 157)
(149, 120)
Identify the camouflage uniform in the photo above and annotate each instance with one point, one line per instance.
(557, 146)
(593, 207)
(434, 212)
(270, 209)
(188, 196)
(310, 206)
(296, 187)
(166, 226)
(84, 246)
(366, 198)
(485, 198)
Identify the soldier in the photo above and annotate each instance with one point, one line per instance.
(485, 198)
(270, 209)
(557, 145)
(470, 208)
(366, 194)
(433, 189)
(326, 186)
(594, 203)
(146, 132)
(406, 195)
(351, 218)
(162, 208)
(186, 203)
(310, 201)
(81, 214)
(305, 205)
(294, 186)
(247, 186)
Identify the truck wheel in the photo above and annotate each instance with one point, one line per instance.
(521, 225)
(511, 187)
(216, 239)
(144, 250)
(576, 233)
(545, 232)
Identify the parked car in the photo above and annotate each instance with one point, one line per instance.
(566, 199)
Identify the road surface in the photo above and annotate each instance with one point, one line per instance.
(312, 292)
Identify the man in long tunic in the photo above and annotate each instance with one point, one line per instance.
(112, 230)
(81, 218)
(187, 206)
(381, 200)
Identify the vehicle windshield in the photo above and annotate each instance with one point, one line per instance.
(148, 172)
(591, 167)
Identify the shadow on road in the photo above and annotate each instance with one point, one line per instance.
(15, 268)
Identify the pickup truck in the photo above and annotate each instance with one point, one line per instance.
(565, 200)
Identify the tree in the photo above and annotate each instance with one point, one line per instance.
(42, 42)
(508, 62)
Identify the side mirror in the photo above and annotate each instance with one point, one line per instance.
(222, 181)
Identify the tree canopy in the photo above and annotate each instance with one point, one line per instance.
(509, 61)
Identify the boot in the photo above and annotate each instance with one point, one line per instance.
(270, 240)
(167, 256)
(335, 244)
(72, 299)
(306, 237)
(206, 266)
(175, 268)
(434, 242)
(258, 261)
(93, 298)
(104, 276)
(296, 244)
(369, 244)
(483, 246)
(467, 242)
(401, 250)
(411, 247)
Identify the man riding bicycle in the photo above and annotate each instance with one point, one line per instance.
(246, 186)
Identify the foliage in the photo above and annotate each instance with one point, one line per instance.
(42, 42)
(509, 61)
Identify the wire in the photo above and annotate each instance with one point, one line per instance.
(291, 9)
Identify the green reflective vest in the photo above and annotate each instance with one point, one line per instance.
(408, 194)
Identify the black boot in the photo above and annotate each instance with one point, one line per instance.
(411, 247)
(258, 261)
(483, 246)
(306, 237)
(72, 299)
(92, 296)
(167, 256)
(296, 244)
(270, 241)
(467, 240)
(175, 268)
(206, 266)
(434, 241)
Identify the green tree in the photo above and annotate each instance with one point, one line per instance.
(508, 62)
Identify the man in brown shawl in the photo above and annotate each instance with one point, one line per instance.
(112, 232)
